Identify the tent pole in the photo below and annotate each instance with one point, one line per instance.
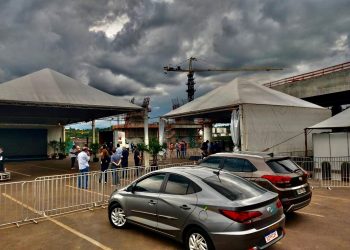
(146, 139)
(305, 134)
(93, 131)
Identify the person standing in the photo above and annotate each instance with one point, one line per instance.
(137, 159)
(105, 160)
(2, 159)
(211, 148)
(171, 149)
(119, 150)
(115, 164)
(177, 148)
(83, 162)
(204, 149)
(183, 149)
(73, 156)
(125, 159)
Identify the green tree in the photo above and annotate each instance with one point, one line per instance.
(62, 150)
(154, 148)
(54, 145)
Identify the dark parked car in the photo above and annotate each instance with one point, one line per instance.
(202, 208)
(277, 174)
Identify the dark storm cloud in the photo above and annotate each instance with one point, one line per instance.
(67, 36)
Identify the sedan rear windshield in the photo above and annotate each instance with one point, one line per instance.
(233, 187)
(283, 166)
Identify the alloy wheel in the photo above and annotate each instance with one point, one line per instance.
(118, 217)
(197, 242)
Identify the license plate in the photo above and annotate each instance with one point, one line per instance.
(271, 236)
(301, 190)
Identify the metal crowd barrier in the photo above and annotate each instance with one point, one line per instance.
(332, 171)
(326, 171)
(189, 153)
(29, 201)
(18, 203)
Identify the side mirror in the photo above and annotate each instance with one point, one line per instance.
(130, 188)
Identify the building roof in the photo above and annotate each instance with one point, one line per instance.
(49, 97)
(341, 120)
(239, 91)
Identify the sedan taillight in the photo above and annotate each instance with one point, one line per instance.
(242, 217)
(278, 203)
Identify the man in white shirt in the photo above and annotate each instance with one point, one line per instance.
(2, 168)
(83, 162)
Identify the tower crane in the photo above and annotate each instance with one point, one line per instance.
(191, 70)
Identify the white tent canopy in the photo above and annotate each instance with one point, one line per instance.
(341, 120)
(239, 91)
(47, 86)
(49, 97)
(268, 120)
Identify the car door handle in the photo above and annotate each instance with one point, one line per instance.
(185, 207)
(152, 202)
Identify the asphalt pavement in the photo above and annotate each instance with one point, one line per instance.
(324, 224)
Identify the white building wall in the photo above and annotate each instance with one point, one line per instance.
(321, 146)
(331, 144)
(54, 133)
(327, 145)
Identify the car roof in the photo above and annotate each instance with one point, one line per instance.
(194, 170)
(248, 154)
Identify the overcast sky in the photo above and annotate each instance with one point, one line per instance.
(121, 46)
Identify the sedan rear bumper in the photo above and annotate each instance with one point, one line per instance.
(248, 238)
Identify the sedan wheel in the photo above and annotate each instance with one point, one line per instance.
(198, 240)
(117, 216)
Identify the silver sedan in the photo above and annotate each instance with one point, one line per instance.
(202, 208)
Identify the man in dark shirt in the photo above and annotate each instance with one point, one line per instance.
(125, 158)
(204, 149)
(137, 159)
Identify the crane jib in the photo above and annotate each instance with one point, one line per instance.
(190, 81)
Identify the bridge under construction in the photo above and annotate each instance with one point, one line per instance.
(328, 87)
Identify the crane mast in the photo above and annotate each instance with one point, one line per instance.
(190, 81)
(190, 74)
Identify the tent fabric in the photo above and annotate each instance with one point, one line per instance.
(48, 87)
(239, 91)
(341, 120)
(161, 130)
(235, 129)
(277, 128)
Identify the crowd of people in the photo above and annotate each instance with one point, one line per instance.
(118, 157)
(209, 148)
(110, 157)
(180, 148)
